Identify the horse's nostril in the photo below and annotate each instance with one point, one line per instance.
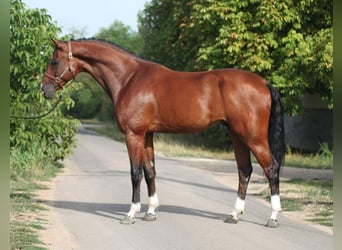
(48, 91)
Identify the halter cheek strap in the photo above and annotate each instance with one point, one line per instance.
(70, 68)
(71, 64)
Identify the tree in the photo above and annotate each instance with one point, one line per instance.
(123, 36)
(160, 25)
(30, 50)
(287, 42)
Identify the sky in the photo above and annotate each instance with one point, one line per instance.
(91, 15)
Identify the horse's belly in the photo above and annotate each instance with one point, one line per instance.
(187, 114)
(185, 122)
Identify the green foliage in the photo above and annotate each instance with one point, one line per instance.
(33, 163)
(88, 98)
(325, 152)
(106, 112)
(30, 49)
(161, 25)
(123, 36)
(86, 104)
(287, 42)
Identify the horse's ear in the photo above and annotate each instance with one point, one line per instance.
(56, 43)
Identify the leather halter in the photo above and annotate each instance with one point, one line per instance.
(58, 79)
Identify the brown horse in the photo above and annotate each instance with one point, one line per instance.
(149, 97)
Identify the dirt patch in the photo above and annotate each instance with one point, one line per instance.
(56, 236)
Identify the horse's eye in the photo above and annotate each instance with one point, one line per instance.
(54, 62)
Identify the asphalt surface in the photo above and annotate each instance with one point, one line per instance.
(94, 193)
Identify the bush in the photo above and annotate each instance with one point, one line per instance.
(91, 101)
(87, 104)
(51, 137)
(33, 164)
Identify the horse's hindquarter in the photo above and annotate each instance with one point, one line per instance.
(247, 102)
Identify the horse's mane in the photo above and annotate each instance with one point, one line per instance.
(98, 40)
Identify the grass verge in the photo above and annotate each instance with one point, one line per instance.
(312, 198)
(25, 221)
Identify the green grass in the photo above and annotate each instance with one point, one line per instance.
(325, 221)
(184, 146)
(323, 159)
(24, 223)
(23, 236)
(315, 197)
(24, 209)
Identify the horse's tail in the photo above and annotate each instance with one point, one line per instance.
(276, 133)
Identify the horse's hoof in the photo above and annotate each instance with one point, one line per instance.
(149, 217)
(231, 220)
(127, 220)
(272, 223)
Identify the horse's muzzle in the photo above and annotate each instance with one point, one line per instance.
(48, 90)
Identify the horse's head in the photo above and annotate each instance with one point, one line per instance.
(61, 69)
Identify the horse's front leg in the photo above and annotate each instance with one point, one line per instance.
(150, 175)
(135, 145)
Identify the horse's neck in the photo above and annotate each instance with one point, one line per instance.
(109, 66)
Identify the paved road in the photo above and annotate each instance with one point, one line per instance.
(94, 193)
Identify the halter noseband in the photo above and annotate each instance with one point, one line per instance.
(70, 68)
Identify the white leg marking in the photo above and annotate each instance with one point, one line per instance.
(135, 207)
(153, 204)
(276, 207)
(239, 207)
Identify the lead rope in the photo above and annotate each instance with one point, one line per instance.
(42, 115)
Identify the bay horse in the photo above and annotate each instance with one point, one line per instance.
(149, 98)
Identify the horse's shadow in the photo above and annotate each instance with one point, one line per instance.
(117, 211)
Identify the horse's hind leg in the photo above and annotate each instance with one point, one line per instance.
(271, 169)
(243, 160)
(150, 174)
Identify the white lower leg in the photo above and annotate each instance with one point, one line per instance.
(239, 207)
(276, 207)
(135, 207)
(153, 204)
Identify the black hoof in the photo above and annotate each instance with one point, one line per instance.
(127, 220)
(149, 217)
(272, 223)
(231, 220)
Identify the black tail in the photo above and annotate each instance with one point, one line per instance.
(276, 133)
